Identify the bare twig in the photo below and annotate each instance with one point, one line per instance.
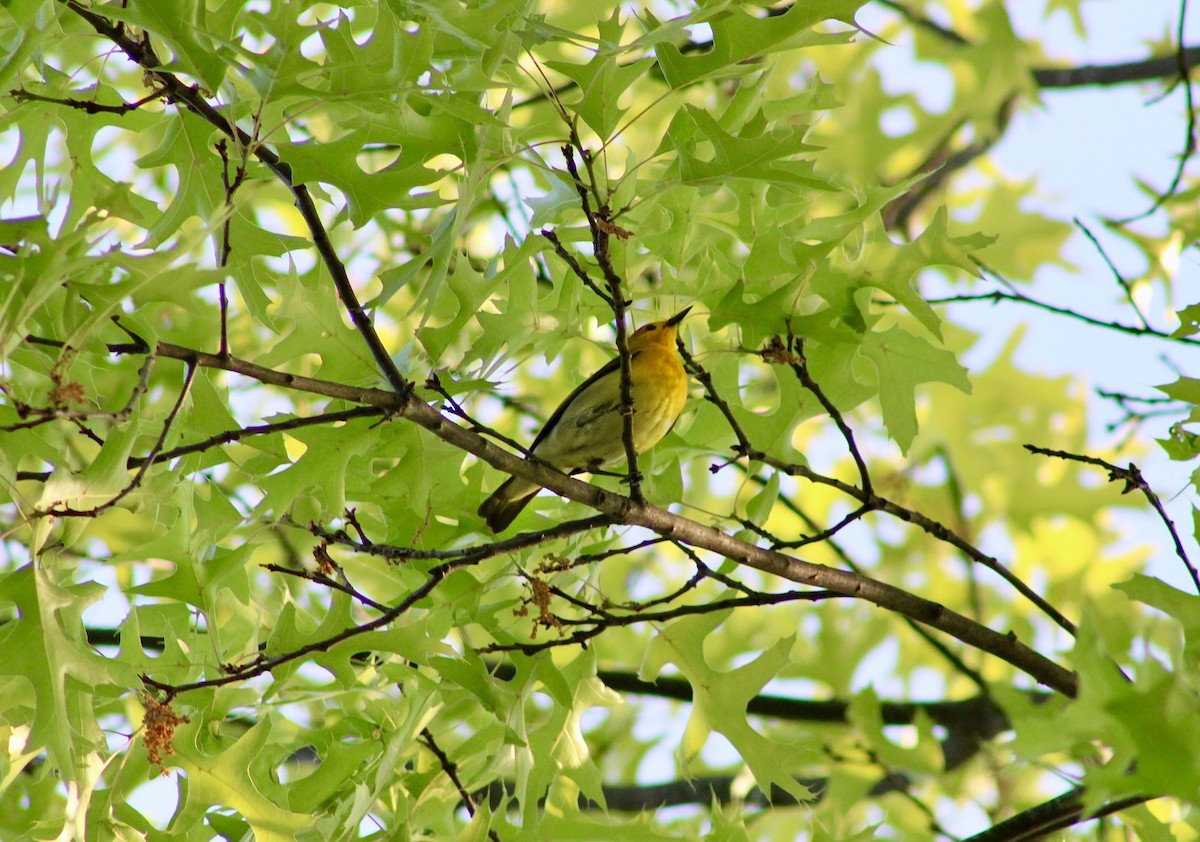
(60, 510)
(451, 770)
(824, 534)
(996, 296)
(794, 357)
(1117, 276)
(456, 409)
(600, 225)
(1133, 479)
(87, 105)
(328, 582)
(231, 187)
(471, 554)
(231, 436)
(576, 267)
(1183, 65)
(580, 638)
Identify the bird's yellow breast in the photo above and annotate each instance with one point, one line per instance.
(659, 393)
(590, 431)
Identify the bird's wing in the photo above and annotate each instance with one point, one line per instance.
(607, 370)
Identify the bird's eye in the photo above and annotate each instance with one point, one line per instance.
(649, 328)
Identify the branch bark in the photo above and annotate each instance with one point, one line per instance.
(627, 511)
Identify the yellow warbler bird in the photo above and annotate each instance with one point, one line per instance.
(586, 432)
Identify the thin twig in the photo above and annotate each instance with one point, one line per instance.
(599, 224)
(1133, 479)
(579, 638)
(451, 770)
(472, 554)
(263, 664)
(996, 296)
(799, 365)
(1117, 276)
(231, 436)
(1183, 68)
(59, 510)
(319, 578)
(456, 409)
(578, 269)
(825, 534)
(231, 187)
(87, 106)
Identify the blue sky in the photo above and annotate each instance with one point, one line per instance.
(1086, 148)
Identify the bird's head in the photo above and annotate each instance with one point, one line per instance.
(657, 333)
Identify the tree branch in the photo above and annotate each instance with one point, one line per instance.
(1133, 479)
(625, 510)
(1056, 814)
(142, 54)
(872, 501)
(1124, 73)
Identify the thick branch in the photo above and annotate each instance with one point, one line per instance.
(1056, 814)
(624, 510)
(1143, 70)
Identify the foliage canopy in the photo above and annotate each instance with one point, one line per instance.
(286, 285)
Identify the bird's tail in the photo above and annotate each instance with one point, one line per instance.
(506, 503)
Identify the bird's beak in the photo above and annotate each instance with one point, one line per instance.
(678, 317)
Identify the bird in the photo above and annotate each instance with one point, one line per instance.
(586, 432)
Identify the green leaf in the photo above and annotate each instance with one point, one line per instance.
(183, 27)
(185, 149)
(603, 80)
(762, 504)
(707, 153)
(235, 776)
(46, 648)
(896, 362)
(866, 713)
(720, 699)
(899, 266)
(1186, 389)
(1189, 321)
(106, 476)
(1184, 608)
(739, 36)
(336, 163)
